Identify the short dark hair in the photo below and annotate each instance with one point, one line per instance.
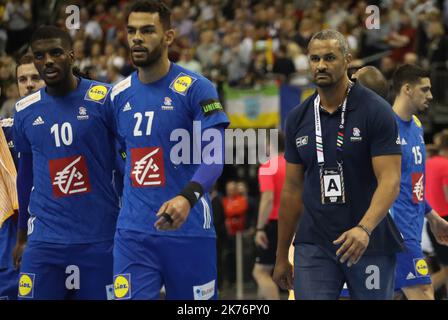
(152, 6)
(329, 34)
(52, 32)
(407, 73)
(373, 79)
(25, 59)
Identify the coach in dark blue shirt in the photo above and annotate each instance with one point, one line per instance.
(343, 173)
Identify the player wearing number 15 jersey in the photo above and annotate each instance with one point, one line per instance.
(66, 141)
(413, 88)
(165, 233)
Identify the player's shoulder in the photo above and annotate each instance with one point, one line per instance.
(26, 102)
(95, 91)
(121, 87)
(184, 81)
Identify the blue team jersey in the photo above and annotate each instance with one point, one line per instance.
(146, 115)
(71, 138)
(409, 208)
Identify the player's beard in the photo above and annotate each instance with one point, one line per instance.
(151, 58)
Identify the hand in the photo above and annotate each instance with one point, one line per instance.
(439, 228)
(283, 274)
(17, 254)
(261, 239)
(177, 209)
(354, 243)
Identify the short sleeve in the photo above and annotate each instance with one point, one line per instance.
(206, 106)
(21, 142)
(265, 181)
(291, 153)
(383, 131)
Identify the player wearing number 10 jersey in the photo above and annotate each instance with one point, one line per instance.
(66, 141)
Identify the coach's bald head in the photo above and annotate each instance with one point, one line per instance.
(373, 79)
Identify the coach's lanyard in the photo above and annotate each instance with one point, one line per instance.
(318, 126)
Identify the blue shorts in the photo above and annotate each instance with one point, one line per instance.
(318, 275)
(143, 263)
(8, 284)
(412, 268)
(52, 271)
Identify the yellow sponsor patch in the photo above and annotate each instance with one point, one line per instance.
(182, 83)
(122, 286)
(97, 93)
(26, 285)
(421, 267)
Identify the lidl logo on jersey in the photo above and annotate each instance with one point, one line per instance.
(205, 291)
(182, 83)
(82, 114)
(97, 93)
(122, 286)
(421, 268)
(69, 176)
(26, 285)
(417, 187)
(147, 169)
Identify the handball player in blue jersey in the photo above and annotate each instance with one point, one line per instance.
(11, 236)
(165, 234)
(412, 86)
(66, 178)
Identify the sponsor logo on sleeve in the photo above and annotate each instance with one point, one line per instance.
(210, 107)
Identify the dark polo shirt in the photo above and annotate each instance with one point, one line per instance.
(370, 131)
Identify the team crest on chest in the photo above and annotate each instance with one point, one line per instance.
(82, 114)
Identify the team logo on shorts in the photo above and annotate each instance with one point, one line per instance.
(182, 83)
(26, 285)
(122, 286)
(97, 93)
(69, 176)
(147, 168)
(417, 187)
(421, 267)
